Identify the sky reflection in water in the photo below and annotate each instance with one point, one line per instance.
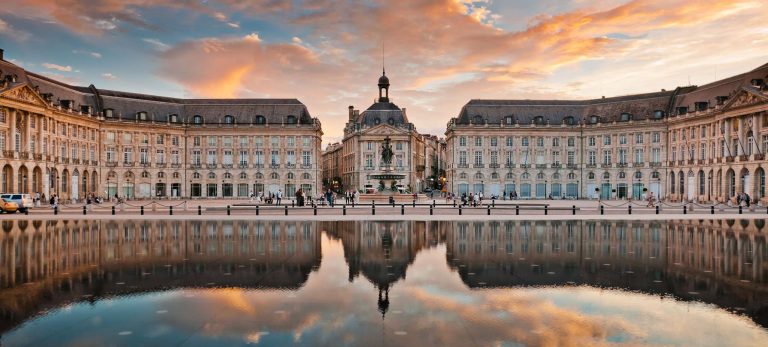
(432, 305)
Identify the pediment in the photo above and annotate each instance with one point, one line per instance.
(745, 97)
(24, 94)
(384, 129)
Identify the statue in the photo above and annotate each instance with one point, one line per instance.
(386, 152)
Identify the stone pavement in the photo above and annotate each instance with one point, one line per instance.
(423, 210)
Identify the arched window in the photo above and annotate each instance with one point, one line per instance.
(525, 176)
(571, 176)
(540, 176)
(243, 175)
(391, 121)
(376, 121)
(306, 176)
(591, 175)
(227, 175)
(274, 176)
(259, 119)
(494, 176)
(142, 115)
(175, 175)
(463, 176)
(593, 119)
(174, 118)
(290, 120)
(622, 175)
(229, 119)
(510, 176)
(606, 176)
(569, 120)
(161, 174)
(538, 120)
(197, 119)
(144, 174)
(655, 174)
(478, 119)
(259, 176)
(478, 176)
(196, 175)
(625, 117)
(211, 175)
(290, 176)
(638, 175)
(556, 176)
(658, 114)
(509, 120)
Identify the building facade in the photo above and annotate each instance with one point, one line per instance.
(72, 141)
(693, 143)
(383, 127)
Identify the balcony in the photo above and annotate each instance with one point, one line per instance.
(128, 163)
(557, 165)
(94, 163)
(478, 166)
(541, 166)
(8, 154)
(274, 166)
(690, 161)
(195, 166)
(176, 165)
(570, 166)
(638, 164)
(306, 166)
(290, 166)
(758, 156)
(210, 166)
(258, 166)
(605, 166)
(38, 157)
(621, 165)
(111, 164)
(680, 162)
(65, 160)
(493, 166)
(729, 159)
(160, 165)
(145, 164)
(525, 166)
(227, 166)
(243, 165)
(743, 157)
(76, 161)
(655, 164)
(24, 155)
(509, 166)
(369, 168)
(462, 166)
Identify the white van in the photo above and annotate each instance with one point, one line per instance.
(24, 200)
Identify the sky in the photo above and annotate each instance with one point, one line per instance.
(438, 54)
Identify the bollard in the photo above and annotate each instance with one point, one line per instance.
(26, 212)
(685, 209)
(454, 203)
(402, 209)
(739, 209)
(517, 210)
(574, 210)
(293, 203)
(344, 210)
(56, 210)
(314, 208)
(414, 203)
(373, 208)
(711, 209)
(199, 210)
(459, 210)
(430, 210)
(142, 210)
(602, 211)
(170, 210)
(433, 202)
(493, 203)
(228, 211)
(657, 209)
(83, 210)
(286, 210)
(546, 212)
(113, 210)
(353, 203)
(257, 209)
(489, 210)
(629, 209)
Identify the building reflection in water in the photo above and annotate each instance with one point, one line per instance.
(49, 264)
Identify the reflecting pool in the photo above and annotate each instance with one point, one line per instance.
(368, 283)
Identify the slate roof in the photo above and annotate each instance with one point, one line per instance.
(385, 112)
(127, 105)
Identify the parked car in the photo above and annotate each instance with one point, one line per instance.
(24, 201)
(8, 206)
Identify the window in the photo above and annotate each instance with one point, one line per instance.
(478, 157)
(128, 155)
(110, 136)
(555, 142)
(478, 141)
(212, 141)
(591, 175)
(290, 120)
(226, 141)
(196, 141)
(494, 141)
(606, 140)
(591, 141)
(622, 156)
(510, 158)
(607, 157)
(211, 157)
(399, 145)
(556, 157)
(243, 141)
(229, 120)
(227, 157)
(571, 158)
(623, 139)
(275, 141)
(275, 158)
(258, 157)
(656, 137)
(369, 161)
(211, 175)
(462, 141)
(290, 141)
(539, 142)
(197, 119)
(290, 157)
(160, 139)
(525, 141)
(508, 120)
(306, 158)
(592, 157)
(196, 157)
(259, 119)
(510, 141)
(243, 158)
(639, 138)
(127, 137)
(494, 157)
(306, 141)
(571, 141)
(160, 156)
(463, 158)
(656, 155)
(639, 155)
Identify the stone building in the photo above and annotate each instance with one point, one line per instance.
(366, 135)
(693, 143)
(70, 140)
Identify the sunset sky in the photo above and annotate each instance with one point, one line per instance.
(439, 53)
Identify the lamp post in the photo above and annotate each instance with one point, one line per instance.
(545, 189)
(709, 194)
(24, 183)
(578, 189)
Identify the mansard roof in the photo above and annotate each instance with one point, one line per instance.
(385, 112)
(127, 105)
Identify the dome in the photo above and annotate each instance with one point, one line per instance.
(383, 80)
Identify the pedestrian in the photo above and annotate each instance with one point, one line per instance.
(747, 199)
(279, 196)
(299, 197)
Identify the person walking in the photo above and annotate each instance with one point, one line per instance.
(279, 196)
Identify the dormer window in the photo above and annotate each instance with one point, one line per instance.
(593, 119)
(391, 121)
(85, 109)
(538, 120)
(569, 120)
(290, 120)
(625, 117)
(478, 119)
(109, 113)
(142, 115)
(376, 121)
(197, 119)
(702, 106)
(259, 119)
(508, 120)
(174, 118)
(682, 110)
(721, 100)
(658, 114)
(67, 104)
(229, 119)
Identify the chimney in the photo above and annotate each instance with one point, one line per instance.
(1, 54)
(404, 114)
(351, 112)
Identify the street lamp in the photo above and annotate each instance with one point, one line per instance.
(578, 189)
(545, 189)
(24, 184)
